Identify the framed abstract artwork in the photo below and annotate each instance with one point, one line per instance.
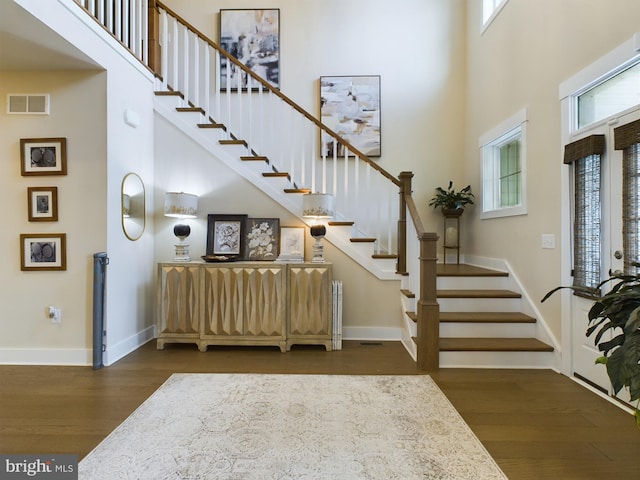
(225, 235)
(43, 251)
(253, 38)
(350, 106)
(43, 156)
(43, 204)
(262, 239)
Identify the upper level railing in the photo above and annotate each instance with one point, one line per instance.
(272, 125)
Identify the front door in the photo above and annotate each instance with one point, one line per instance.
(584, 351)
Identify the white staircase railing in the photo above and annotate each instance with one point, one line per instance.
(273, 126)
(126, 20)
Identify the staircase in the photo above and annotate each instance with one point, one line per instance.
(486, 322)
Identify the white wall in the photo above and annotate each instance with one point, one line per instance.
(183, 165)
(87, 107)
(519, 62)
(28, 335)
(416, 46)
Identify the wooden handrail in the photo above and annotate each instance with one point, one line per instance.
(428, 310)
(278, 93)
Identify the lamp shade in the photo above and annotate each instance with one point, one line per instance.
(318, 205)
(180, 205)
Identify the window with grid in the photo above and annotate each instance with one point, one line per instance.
(627, 139)
(585, 158)
(503, 168)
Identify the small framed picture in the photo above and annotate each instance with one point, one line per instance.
(292, 243)
(43, 156)
(43, 204)
(225, 235)
(262, 239)
(43, 251)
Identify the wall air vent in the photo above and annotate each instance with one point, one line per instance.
(28, 103)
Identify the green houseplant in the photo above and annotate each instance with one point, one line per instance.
(450, 200)
(617, 312)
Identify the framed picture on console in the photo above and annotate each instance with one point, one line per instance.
(43, 204)
(262, 239)
(292, 244)
(225, 235)
(253, 38)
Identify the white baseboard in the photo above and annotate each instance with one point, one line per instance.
(46, 356)
(372, 333)
(128, 345)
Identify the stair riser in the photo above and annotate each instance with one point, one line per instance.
(487, 330)
(474, 283)
(497, 360)
(479, 304)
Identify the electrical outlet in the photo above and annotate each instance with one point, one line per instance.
(548, 240)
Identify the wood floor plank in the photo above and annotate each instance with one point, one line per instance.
(537, 424)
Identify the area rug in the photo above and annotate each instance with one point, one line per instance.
(292, 427)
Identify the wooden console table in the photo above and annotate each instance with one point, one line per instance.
(244, 303)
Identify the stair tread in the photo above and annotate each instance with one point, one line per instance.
(362, 240)
(408, 293)
(211, 125)
(486, 317)
(463, 270)
(296, 190)
(384, 255)
(275, 174)
(168, 93)
(494, 345)
(477, 294)
(232, 142)
(340, 224)
(256, 158)
(190, 109)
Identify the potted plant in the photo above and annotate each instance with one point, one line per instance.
(618, 313)
(452, 202)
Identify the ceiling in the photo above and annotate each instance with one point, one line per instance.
(28, 44)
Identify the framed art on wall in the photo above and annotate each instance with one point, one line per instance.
(253, 37)
(225, 235)
(262, 238)
(43, 204)
(350, 106)
(43, 251)
(43, 156)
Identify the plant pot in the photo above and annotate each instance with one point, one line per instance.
(452, 212)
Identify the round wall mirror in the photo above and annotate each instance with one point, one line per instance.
(133, 206)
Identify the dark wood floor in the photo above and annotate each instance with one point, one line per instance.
(537, 424)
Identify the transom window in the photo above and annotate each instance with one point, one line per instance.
(616, 94)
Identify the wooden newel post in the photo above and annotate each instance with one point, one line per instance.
(428, 309)
(405, 189)
(153, 37)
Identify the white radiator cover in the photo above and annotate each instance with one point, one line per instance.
(336, 339)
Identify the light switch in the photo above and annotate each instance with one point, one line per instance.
(548, 240)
